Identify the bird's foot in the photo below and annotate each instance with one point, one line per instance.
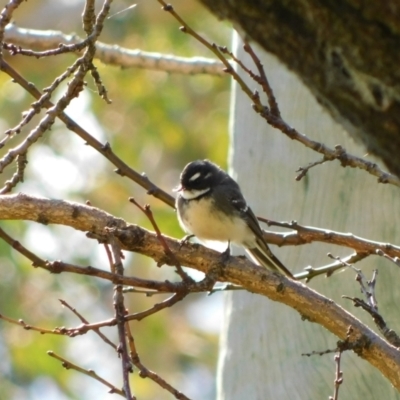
(225, 255)
(185, 240)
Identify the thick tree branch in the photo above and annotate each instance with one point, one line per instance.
(310, 304)
(91, 219)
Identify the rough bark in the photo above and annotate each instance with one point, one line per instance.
(345, 51)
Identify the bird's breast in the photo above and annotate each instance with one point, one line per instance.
(202, 219)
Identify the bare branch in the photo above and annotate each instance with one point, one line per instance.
(89, 372)
(272, 116)
(88, 16)
(28, 327)
(312, 305)
(371, 306)
(263, 80)
(85, 321)
(147, 211)
(56, 267)
(338, 376)
(195, 289)
(90, 219)
(308, 234)
(120, 312)
(303, 170)
(122, 168)
(5, 18)
(75, 86)
(145, 372)
(327, 270)
(395, 259)
(49, 43)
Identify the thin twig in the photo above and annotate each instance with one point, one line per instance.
(73, 89)
(179, 270)
(56, 267)
(104, 149)
(309, 272)
(263, 81)
(338, 376)
(37, 106)
(15, 244)
(93, 26)
(319, 353)
(175, 298)
(61, 48)
(371, 306)
(395, 259)
(303, 170)
(89, 372)
(5, 18)
(29, 327)
(88, 16)
(84, 328)
(367, 287)
(185, 28)
(18, 176)
(145, 372)
(84, 64)
(194, 289)
(120, 312)
(85, 321)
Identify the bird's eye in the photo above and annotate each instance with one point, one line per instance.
(195, 176)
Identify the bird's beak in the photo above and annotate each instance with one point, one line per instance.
(178, 188)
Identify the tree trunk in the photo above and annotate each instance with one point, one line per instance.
(261, 341)
(345, 51)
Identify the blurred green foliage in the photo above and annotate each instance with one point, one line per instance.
(157, 122)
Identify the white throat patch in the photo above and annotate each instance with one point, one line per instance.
(193, 194)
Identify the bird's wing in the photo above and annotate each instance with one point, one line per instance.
(261, 252)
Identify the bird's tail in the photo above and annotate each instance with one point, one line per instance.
(263, 256)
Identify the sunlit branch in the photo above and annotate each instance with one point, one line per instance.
(48, 43)
(237, 270)
(370, 305)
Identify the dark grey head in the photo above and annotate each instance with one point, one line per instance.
(200, 175)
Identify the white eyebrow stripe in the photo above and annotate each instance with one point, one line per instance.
(195, 176)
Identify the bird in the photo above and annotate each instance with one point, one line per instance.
(210, 205)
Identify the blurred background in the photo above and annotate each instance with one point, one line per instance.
(157, 122)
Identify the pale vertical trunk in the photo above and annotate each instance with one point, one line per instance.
(262, 341)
